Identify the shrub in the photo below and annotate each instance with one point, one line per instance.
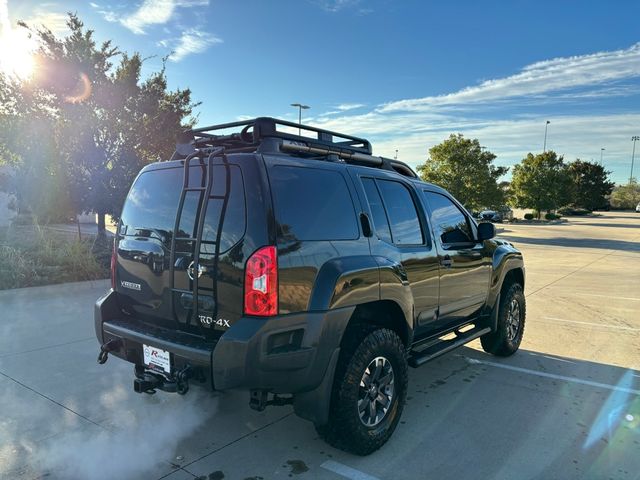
(549, 216)
(30, 255)
(528, 216)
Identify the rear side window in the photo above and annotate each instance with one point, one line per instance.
(402, 213)
(449, 223)
(380, 220)
(312, 204)
(152, 205)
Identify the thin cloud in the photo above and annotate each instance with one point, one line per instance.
(191, 42)
(149, 13)
(40, 17)
(508, 114)
(574, 136)
(56, 22)
(343, 107)
(541, 77)
(336, 5)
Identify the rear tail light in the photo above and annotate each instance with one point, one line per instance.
(261, 283)
(114, 259)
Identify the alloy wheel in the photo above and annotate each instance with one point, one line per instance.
(376, 392)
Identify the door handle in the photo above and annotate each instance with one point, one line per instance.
(446, 262)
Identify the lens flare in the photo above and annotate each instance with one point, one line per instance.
(82, 91)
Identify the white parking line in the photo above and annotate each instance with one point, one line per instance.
(345, 471)
(554, 376)
(593, 324)
(555, 359)
(605, 296)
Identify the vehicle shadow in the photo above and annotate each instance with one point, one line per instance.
(613, 225)
(631, 213)
(532, 415)
(601, 243)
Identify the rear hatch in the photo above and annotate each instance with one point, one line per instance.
(159, 287)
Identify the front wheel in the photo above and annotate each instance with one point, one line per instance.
(505, 340)
(369, 393)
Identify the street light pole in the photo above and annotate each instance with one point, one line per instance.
(633, 154)
(300, 108)
(601, 152)
(546, 125)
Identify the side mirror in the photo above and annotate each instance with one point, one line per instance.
(486, 230)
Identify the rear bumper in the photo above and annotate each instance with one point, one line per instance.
(283, 354)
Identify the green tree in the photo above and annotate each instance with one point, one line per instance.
(590, 184)
(541, 182)
(462, 167)
(104, 122)
(626, 196)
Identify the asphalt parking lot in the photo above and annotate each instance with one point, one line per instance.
(567, 405)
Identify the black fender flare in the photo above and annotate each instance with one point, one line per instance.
(506, 259)
(345, 282)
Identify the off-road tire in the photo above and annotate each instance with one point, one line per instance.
(502, 342)
(345, 429)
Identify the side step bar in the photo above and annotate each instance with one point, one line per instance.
(440, 348)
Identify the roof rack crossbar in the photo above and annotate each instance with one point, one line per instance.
(262, 134)
(257, 129)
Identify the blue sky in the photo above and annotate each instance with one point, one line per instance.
(404, 74)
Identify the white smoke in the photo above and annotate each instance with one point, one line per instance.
(137, 434)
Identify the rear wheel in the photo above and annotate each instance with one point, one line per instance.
(369, 393)
(506, 339)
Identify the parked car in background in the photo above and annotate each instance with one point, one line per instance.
(638, 208)
(505, 212)
(490, 216)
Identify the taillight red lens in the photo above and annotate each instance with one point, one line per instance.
(114, 259)
(261, 283)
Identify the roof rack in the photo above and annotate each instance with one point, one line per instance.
(263, 135)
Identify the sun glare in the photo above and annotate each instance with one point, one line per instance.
(17, 54)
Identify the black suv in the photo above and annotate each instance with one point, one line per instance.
(288, 261)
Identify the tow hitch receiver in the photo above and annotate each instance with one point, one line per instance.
(147, 381)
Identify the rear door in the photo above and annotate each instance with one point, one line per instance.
(402, 243)
(157, 286)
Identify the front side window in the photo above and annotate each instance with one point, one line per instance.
(449, 223)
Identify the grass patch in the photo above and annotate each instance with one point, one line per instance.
(32, 255)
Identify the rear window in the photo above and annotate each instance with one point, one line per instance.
(152, 204)
(312, 204)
